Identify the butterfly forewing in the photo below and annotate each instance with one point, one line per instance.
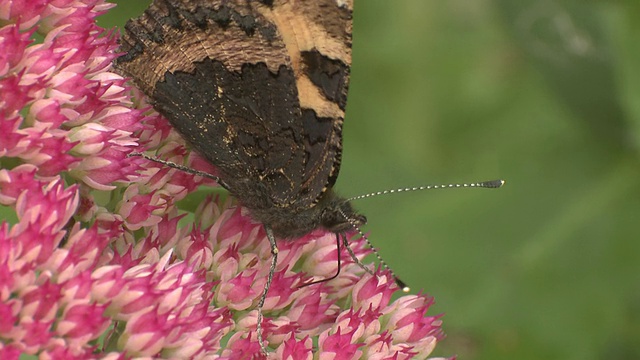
(257, 87)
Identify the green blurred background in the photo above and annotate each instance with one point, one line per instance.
(544, 94)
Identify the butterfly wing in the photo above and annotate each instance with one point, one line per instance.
(257, 87)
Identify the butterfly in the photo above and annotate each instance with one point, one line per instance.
(259, 89)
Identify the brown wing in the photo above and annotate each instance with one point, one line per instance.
(257, 87)
(317, 35)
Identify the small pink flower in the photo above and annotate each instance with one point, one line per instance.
(311, 309)
(83, 321)
(408, 323)
(16, 181)
(281, 292)
(373, 291)
(237, 293)
(13, 42)
(294, 349)
(10, 137)
(365, 324)
(48, 112)
(241, 346)
(339, 346)
(34, 335)
(9, 352)
(7, 318)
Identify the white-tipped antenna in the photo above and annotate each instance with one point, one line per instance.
(493, 184)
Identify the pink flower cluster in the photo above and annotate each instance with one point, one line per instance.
(98, 259)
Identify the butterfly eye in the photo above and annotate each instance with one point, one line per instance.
(359, 219)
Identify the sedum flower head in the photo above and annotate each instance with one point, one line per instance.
(98, 259)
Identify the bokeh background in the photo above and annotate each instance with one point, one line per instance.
(545, 94)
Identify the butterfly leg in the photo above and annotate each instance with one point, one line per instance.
(354, 257)
(399, 282)
(334, 275)
(263, 297)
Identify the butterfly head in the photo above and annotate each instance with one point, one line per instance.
(339, 216)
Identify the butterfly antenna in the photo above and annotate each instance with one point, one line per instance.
(182, 168)
(401, 284)
(493, 184)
